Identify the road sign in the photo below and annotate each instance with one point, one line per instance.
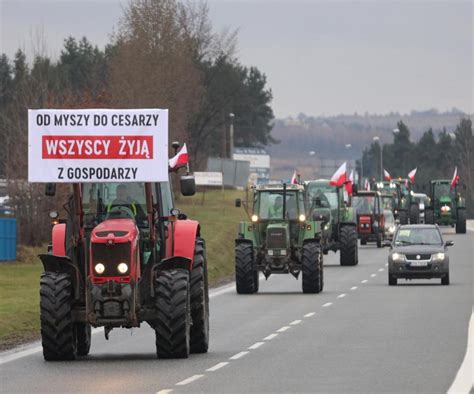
(208, 178)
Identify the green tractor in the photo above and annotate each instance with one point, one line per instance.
(405, 208)
(327, 202)
(279, 239)
(447, 207)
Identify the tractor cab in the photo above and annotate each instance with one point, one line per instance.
(370, 217)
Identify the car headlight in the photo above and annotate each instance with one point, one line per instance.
(270, 252)
(122, 268)
(391, 229)
(254, 218)
(398, 257)
(302, 218)
(99, 268)
(438, 256)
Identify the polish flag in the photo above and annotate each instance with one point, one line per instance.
(412, 174)
(455, 179)
(366, 184)
(180, 159)
(294, 179)
(350, 183)
(340, 176)
(386, 175)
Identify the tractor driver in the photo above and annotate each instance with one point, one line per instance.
(122, 198)
(276, 211)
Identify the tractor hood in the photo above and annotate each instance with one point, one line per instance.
(445, 200)
(278, 236)
(115, 231)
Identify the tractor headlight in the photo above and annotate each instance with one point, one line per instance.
(302, 218)
(122, 268)
(445, 208)
(270, 252)
(283, 252)
(398, 257)
(99, 268)
(326, 227)
(438, 256)
(254, 218)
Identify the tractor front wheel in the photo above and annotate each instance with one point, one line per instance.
(429, 216)
(403, 217)
(348, 246)
(83, 336)
(244, 273)
(414, 214)
(58, 334)
(312, 267)
(461, 222)
(173, 322)
(199, 300)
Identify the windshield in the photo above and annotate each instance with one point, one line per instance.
(442, 189)
(418, 236)
(271, 205)
(113, 200)
(404, 189)
(388, 202)
(327, 195)
(363, 204)
(420, 198)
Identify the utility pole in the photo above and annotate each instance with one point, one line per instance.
(231, 134)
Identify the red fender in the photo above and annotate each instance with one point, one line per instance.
(58, 236)
(185, 233)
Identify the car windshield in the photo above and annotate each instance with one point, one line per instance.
(326, 194)
(113, 200)
(418, 236)
(271, 205)
(363, 204)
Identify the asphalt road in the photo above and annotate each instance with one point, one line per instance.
(359, 335)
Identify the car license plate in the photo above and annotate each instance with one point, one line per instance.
(419, 263)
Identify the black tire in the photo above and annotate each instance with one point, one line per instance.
(363, 241)
(348, 245)
(445, 280)
(173, 322)
(403, 217)
(256, 281)
(83, 336)
(461, 222)
(244, 272)
(414, 214)
(199, 301)
(57, 328)
(312, 268)
(379, 240)
(392, 280)
(429, 216)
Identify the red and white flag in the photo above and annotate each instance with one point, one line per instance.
(294, 178)
(366, 184)
(180, 159)
(386, 175)
(350, 183)
(412, 174)
(455, 179)
(340, 176)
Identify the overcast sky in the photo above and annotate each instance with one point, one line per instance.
(319, 57)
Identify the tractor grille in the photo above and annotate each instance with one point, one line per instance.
(111, 256)
(276, 238)
(422, 257)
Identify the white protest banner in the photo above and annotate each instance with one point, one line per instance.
(208, 178)
(98, 145)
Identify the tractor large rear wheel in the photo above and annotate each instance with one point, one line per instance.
(414, 214)
(312, 267)
(429, 216)
(348, 246)
(58, 334)
(173, 323)
(461, 222)
(199, 300)
(244, 272)
(403, 217)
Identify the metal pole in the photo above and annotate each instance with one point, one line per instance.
(381, 161)
(231, 134)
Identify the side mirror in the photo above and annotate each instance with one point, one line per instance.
(238, 202)
(188, 185)
(449, 243)
(50, 189)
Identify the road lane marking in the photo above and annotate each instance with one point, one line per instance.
(463, 382)
(380, 269)
(217, 366)
(189, 380)
(283, 329)
(310, 314)
(364, 281)
(341, 295)
(354, 288)
(295, 322)
(238, 355)
(373, 275)
(327, 304)
(270, 337)
(167, 391)
(256, 345)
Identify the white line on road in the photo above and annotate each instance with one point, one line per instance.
(341, 295)
(167, 391)
(463, 382)
(295, 322)
(380, 269)
(189, 380)
(283, 329)
(238, 355)
(373, 275)
(327, 304)
(354, 288)
(364, 281)
(270, 337)
(256, 345)
(217, 366)
(310, 314)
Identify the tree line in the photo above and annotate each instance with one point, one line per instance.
(164, 54)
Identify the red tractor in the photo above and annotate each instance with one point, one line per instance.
(370, 217)
(124, 256)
